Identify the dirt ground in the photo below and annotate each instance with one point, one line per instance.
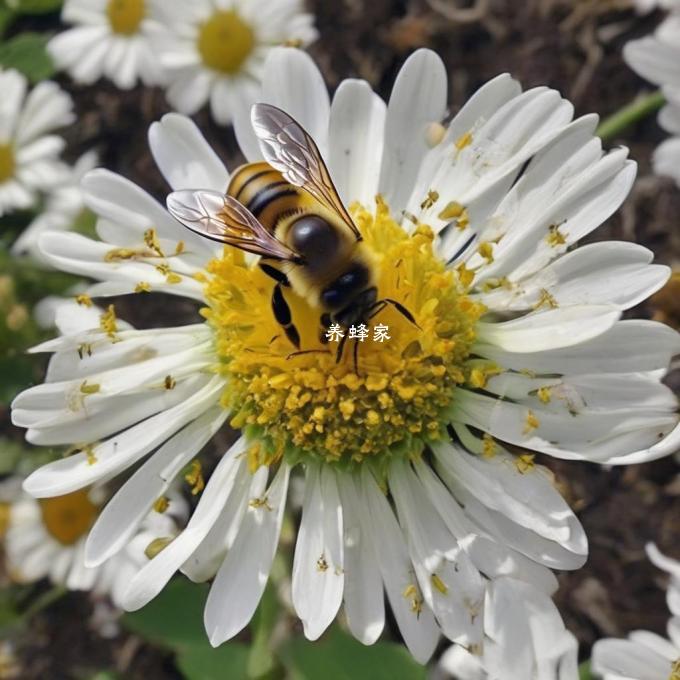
(574, 46)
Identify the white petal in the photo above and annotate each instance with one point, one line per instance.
(123, 514)
(364, 598)
(241, 580)
(318, 566)
(184, 156)
(420, 631)
(151, 579)
(552, 329)
(357, 128)
(418, 98)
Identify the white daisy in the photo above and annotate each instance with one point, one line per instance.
(63, 205)
(418, 476)
(657, 58)
(46, 539)
(645, 655)
(214, 50)
(29, 153)
(112, 39)
(537, 644)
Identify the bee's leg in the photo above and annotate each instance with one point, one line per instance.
(275, 274)
(341, 347)
(377, 308)
(308, 351)
(381, 304)
(282, 315)
(325, 323)
(356, 356)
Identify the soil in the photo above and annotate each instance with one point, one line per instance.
(572, 45)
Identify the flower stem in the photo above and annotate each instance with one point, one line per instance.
(637, 110)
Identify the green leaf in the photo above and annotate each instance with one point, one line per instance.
(6, 16)
(584, 672)
(174, 618)
(17, 374)
(337, 656)
(26, 53)
(203, 662)
(261, 661)
(37, 6)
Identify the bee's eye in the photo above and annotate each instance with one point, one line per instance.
(312, 237)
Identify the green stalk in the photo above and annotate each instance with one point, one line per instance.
(638, 109)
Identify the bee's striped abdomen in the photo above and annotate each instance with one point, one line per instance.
(264, 192)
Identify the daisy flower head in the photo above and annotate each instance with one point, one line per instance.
(29, 151)
(657, 59)
(46, 539)
(417, 451)
(111, 39)
(63, 205)
(215, 50)
(645, 655)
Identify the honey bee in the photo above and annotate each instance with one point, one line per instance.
(288, 211)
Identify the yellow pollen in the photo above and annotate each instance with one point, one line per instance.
(525, 463)
(455, 211)
(555, 237)
(431, 198)
(152, 242)
(68, 518)
(91, 388)
(225, 42)
(157, 545)
(490, 448)
(309, 405)
(161, 504)
(143, 287)
(439, 584)
(7, 162)
(544, 394)
(463, 141)
(194, 477)
(107, 322)
(84, 300)
(321, 563)
(486, 251)
(531, 422)
(125, 16)
(545, 300)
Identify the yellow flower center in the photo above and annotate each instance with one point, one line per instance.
(125, 16)
(309, 404)
(7, 162)
(225, 41)
(68, 518)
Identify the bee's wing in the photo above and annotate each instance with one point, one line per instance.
(222, 218)
(288, 148)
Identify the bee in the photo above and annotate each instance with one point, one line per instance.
(287, 210)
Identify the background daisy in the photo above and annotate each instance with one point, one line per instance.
(29, 153)
(62, 207)
(645, 655)
(46, 539)
(214, 50)
(657, 59)
(111, 39)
